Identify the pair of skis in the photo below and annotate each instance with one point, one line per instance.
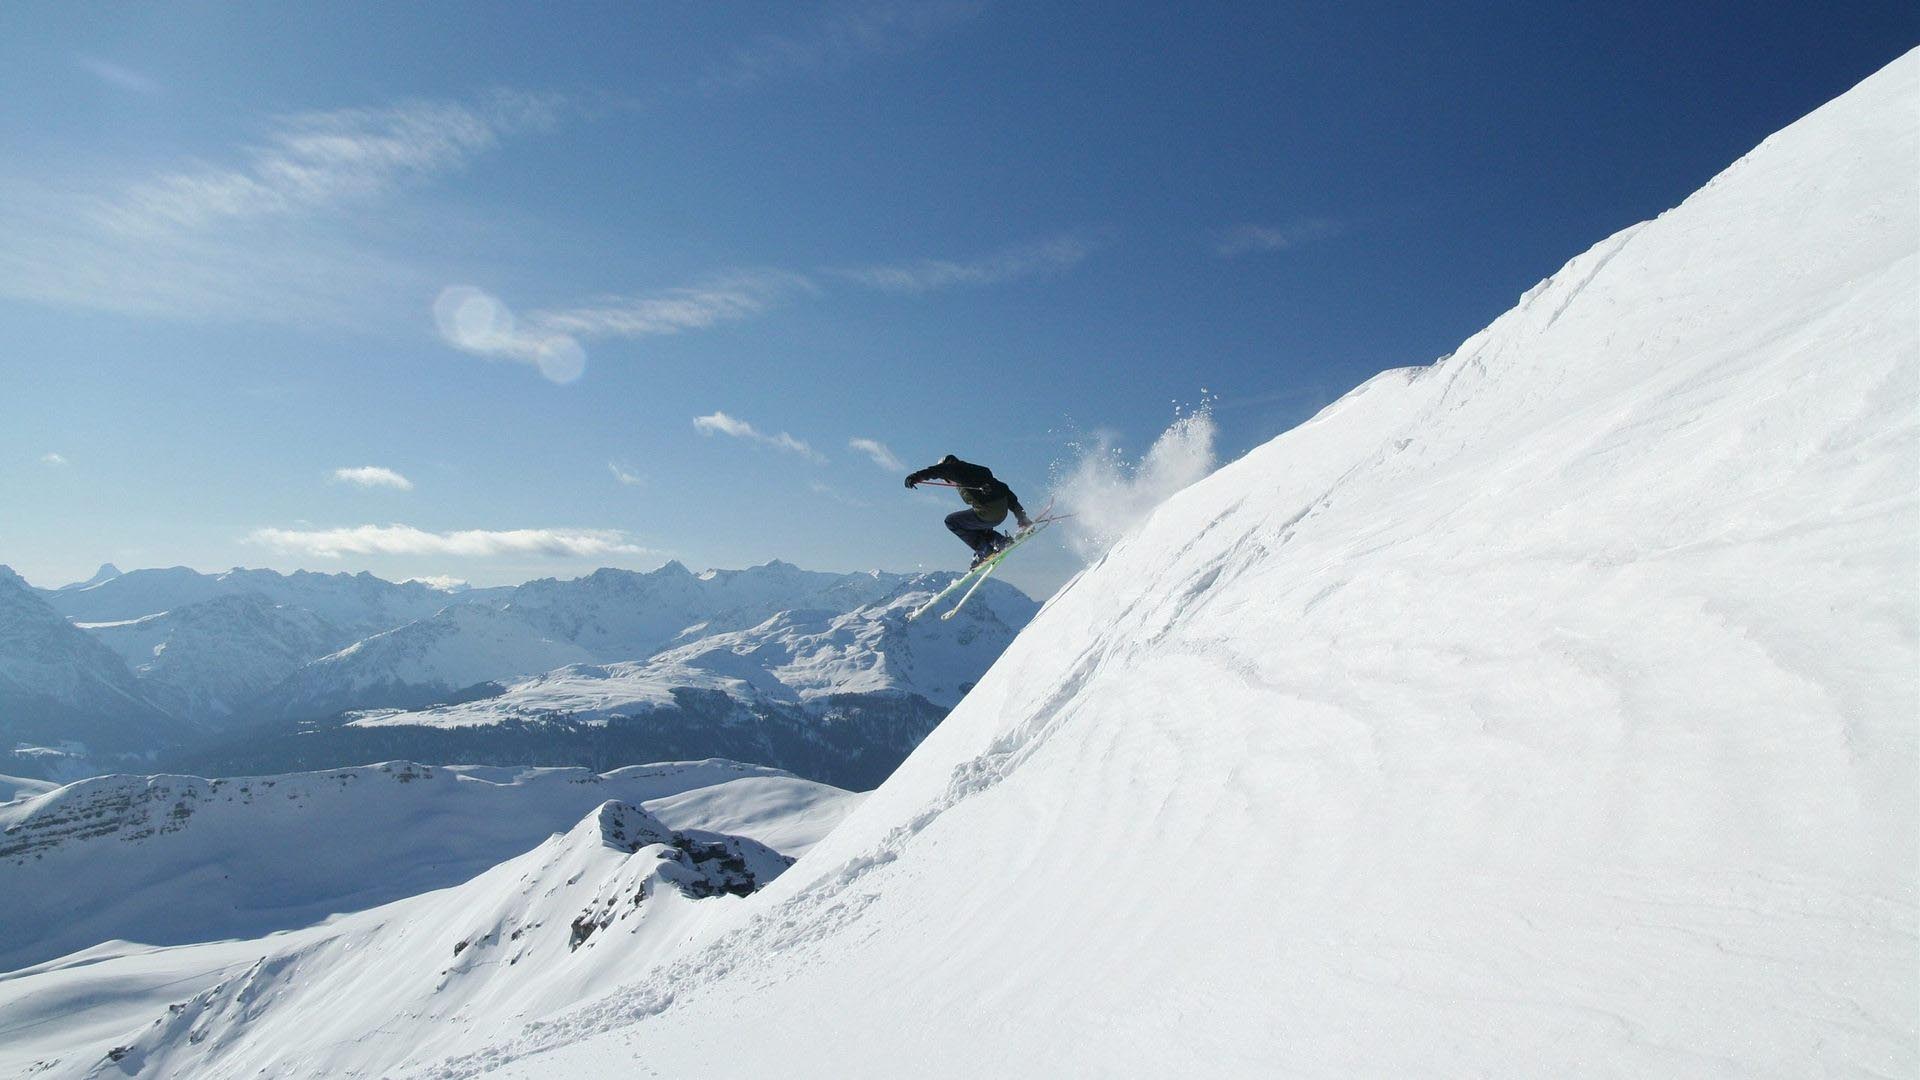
(978, 575)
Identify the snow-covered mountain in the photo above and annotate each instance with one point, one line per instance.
(106, 573)
(248, 652)
(192, 859)
(423, 662)
(623, 615)
(540, 930)
(358, 604)
(60, 686)
(209, 662)
(836, 633)
(1548, 711)
(840, 696)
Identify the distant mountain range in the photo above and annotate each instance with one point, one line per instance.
(257, 671)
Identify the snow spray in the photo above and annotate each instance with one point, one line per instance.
(1109, 493)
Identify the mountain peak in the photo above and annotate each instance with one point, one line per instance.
(106, 573)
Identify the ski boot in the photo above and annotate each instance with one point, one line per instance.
(987, 550)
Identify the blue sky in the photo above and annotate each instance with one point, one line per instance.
(605, 284)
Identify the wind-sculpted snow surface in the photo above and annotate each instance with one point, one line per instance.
(1550, 711)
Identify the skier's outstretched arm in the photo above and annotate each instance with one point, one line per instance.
(1019, 512)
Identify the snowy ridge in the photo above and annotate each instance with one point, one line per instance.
(547, 928)
(192, 859)
(1550, 711)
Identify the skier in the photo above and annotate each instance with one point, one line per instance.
(988, 500)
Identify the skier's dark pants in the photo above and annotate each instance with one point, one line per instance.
(969, 526)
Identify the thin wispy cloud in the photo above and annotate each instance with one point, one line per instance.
(275, 233)
(879, 453)
(372, 476)
(55, 460)
(927, 275)
(827, 491)
(117, 76)
(842, 36)
(554, 340)
(466, 544)
(1248, 239)
(624, 475)
(317, 160)
(719, 423)
(475, 321)
(736, 296)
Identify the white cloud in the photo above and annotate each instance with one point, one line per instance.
(321, 159)
(1249, 238)
(279, 232)
(719, 423)
(553, 339)
(467, 543)
(878, 451)
(53, 459)
(927, 275)
(625, 476)
(115, 75)
(442, 582)
(735, 296)
(474, 321)
(369, 476)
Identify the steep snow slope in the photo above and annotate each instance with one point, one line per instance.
(1547, 712)
(171, 859)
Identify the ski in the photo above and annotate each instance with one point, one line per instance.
(986, 568)
(946, 592)
(979, 573)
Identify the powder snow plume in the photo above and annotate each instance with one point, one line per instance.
(1108, 493)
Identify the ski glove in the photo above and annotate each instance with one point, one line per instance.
(910, 481)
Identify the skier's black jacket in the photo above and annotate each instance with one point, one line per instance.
(989, 496)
